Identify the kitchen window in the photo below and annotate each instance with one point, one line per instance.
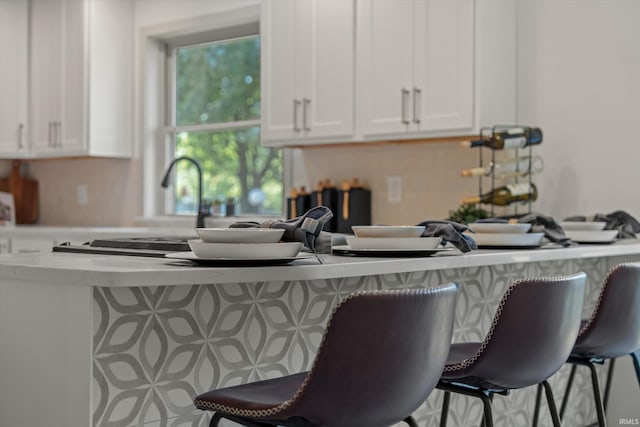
(213, 116)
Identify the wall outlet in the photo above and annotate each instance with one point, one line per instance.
(394, 189)
(82, 195)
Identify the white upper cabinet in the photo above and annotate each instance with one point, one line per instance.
(81, 78)
(307, 71)
(415, 67)
(13, 77)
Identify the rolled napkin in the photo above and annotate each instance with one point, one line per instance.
(306, 228)
(451, 232)
(547, 225)
(626, 225)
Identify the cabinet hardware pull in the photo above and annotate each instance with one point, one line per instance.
(306, 103)
(58, 134)
(296, 104)
(417, 95)
(20, 132)
(49, 137)
(405, 106)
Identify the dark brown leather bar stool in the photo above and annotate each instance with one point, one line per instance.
(380, 357)
(533, 331)
(613, 330)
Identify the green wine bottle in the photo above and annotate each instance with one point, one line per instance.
(506, 195)
(511, 138)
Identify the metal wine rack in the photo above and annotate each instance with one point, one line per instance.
(488, 133)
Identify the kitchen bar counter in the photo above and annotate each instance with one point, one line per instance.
(102, 270)
(96, 340)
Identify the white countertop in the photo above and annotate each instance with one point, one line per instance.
(107, 270)
(57, 232)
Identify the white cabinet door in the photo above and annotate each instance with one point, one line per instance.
(385, 65)
(308, 70)
(415, 67)
(14, 27)
(57, 76)
(443, 52)
(81, 78)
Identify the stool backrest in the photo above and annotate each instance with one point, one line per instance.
(532, 333)
(381, 356)
(613, 329)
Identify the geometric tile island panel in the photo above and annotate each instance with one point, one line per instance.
(156, 348)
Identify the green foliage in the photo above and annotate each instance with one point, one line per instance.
(218, 83)
(468, 213)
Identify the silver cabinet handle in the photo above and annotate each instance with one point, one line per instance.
(296, 104)
(306, 102)
(417, 95)
(49, 134)
(57, 133)
(20, 133)
(405, 106)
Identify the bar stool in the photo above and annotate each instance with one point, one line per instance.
(533, 331)
(380, 357)
(613, 330)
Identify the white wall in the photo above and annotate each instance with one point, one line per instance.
(579, 80)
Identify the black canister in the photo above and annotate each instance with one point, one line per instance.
(354, 206)
(291, 203)
(303, 202)
(330, 200)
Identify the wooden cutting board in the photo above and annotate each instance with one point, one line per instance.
(25, 194)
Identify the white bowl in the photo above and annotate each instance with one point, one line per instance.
(240, 235)
(508, 239)
(583, 225)
(409, 243)
(494, 227)
(388, 230)
(587, 236)
(207, 250)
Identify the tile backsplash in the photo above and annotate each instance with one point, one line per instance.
(430, 174)
(431, 184)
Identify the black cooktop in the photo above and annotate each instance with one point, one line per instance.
(136, 246)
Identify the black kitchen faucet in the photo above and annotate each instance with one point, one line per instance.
(165, 184)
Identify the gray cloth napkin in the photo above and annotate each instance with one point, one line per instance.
(626, 225)
(450, 231)
(306, 228)
(539, 224)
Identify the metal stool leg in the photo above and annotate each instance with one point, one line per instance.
(567, 391)
(636, 363)
(552, 404)
(596, 394)
(607, 387)
(445, 408)
(536, 409)
(487, 421)
(411, 422)
(215, 420)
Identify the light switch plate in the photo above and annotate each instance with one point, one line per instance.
(394, 189)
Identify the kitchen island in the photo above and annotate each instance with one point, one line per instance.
(95, 340)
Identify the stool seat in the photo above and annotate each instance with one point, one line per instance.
(258, 396)
(534, 329)
(381, 356)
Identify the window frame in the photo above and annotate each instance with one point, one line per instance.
(152, 150)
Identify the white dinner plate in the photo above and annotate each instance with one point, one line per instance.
(583, 225)
(388, 230)
(585, 236)
(231, 262)
(411, 243)
(494, 227)
(508, 239)
(240, 235)
(245, 250)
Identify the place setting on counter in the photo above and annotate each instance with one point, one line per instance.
(259, 244)
(426, 239)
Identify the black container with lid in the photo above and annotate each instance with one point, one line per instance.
(354, 206)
